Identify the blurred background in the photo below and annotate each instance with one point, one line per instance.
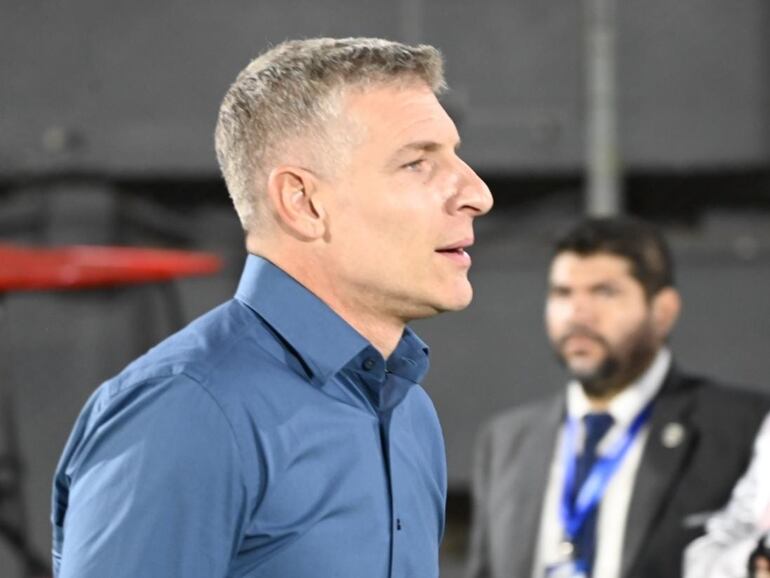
(659, 109)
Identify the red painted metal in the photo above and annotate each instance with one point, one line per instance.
(82, 266)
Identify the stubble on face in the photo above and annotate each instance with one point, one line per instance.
(389, 220)
(619, 366)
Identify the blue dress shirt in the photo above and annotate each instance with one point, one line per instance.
(268, 439)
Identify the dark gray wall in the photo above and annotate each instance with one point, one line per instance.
(133, 88)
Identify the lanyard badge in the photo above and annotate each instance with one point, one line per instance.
(566, 567)
(588, 496)
(565, 570)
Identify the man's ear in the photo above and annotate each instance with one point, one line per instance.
(292, 194)
(666, 306)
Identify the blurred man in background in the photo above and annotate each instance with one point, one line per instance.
(285, 433)
(616, 475)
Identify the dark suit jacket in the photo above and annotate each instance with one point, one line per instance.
(675, 487)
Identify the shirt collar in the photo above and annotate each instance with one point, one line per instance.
(410, 359)
(323, 340)
(625, 406)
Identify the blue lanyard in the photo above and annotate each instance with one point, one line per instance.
(590, 493)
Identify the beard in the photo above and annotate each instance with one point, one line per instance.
(621, 364)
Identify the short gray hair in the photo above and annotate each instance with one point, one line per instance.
(293, 90)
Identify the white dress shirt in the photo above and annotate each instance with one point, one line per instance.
(731, 535)
(611, 521)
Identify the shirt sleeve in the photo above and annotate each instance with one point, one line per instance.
(154, 487)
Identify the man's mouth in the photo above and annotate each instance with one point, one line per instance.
(457, 253)
(581, 342)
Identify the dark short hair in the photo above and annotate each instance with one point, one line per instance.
(640, 242)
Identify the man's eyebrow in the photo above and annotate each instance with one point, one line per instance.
(605, 285)
(420, 146)
(424, 146)
(590, 287)
(607, 281)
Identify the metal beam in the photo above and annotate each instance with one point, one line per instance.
(604, 195)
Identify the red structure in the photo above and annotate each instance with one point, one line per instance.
(82, 266)
(77, 267)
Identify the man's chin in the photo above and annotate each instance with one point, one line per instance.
(584, 371)
(436, 306)
(461, 302)
(459, 298)
(448, 306)
(597, 380)
(592, 378)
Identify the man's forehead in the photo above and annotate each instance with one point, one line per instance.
(410, 114)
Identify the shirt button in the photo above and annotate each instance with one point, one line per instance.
(369, 363)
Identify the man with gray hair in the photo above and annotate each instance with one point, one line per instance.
(285, 433)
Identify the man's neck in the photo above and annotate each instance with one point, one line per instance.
(600, 404)
(384, 333)
(601, 401)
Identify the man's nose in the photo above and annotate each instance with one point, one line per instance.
(581, 310)
(473, 195)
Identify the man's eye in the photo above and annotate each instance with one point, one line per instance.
(416, 165)
(558, 292)
(606, 291)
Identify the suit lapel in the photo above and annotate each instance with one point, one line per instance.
(670, 440)
(534, 465)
